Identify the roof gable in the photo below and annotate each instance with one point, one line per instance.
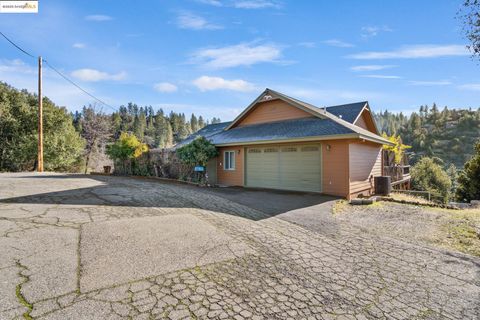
(348, 112)
(271, 111)
(357, 113)
(270, 95)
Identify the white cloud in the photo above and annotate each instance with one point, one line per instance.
(79, 45)
(338, 43)
(187, 20)
(255, 4)
(243, 4)
(215, 3)
(92, 75)
(414, 52)
(373, 67)
(98, 17)
(16, 66)
(206, 83)
(165, 87)
(430, 83)
(307, 44)
(372, 31)
(237, 55)
(380, 76)
(470, 86)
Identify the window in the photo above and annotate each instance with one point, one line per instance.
(229, 160)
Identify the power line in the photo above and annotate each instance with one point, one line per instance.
(16, 46)
(59, 73)
(77, 86)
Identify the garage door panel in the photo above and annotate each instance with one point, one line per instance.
(285, 167)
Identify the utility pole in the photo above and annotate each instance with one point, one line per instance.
(40, 118)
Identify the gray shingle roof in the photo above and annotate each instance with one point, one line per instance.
(334, 120)
(281, 130)
(348, 112)
(207, 132)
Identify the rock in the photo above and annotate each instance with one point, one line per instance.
(475, 203)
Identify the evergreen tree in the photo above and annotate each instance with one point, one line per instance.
(469, 179)
(194, 123)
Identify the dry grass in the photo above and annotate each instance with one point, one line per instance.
(457, 230)
(340, 206)
(411, 198)
(462, 230)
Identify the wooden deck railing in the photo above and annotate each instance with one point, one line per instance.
(398, 173)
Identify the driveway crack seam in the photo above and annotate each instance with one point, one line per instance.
(79, 260)
(18, 290)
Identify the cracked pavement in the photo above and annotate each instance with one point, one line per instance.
(96, 247)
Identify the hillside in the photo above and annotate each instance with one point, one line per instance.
(448, 134)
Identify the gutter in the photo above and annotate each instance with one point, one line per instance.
(305, 139)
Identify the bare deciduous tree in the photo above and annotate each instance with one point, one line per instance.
(470, 16)
(96, 130)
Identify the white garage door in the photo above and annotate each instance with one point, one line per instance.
(296, 167)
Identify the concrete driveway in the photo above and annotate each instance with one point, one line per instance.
(85, 247)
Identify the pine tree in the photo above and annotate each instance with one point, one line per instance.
(201, 122)
(194, 123)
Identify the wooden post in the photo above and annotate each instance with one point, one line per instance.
(40, 118)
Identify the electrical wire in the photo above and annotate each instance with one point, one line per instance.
(77, 86)
(16, 46)
(59, 73)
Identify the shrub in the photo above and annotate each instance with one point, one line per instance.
(125, 150)
(469, 179)
(429, 176)
(196, 153)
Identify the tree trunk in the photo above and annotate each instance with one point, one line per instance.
(87, 160)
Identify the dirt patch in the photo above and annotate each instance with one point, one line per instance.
(451, 229)
(462, 231)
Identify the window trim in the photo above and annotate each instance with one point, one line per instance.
(232, 168)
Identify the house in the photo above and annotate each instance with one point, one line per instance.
(279, 142)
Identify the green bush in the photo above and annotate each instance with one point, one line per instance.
(197, 152)
(124, 152)
(63, 146)
(429, 176)
(469, 179)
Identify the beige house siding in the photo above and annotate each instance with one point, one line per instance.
(361, 123)
(335, 167)
(230, 177)
(365, 161)
(365, 121)
(271, 111)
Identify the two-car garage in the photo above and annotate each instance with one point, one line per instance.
(287, 167)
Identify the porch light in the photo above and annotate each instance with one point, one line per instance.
(329, 147)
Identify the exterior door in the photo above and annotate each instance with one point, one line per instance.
(290, 167)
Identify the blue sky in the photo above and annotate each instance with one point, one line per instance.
(213, 57)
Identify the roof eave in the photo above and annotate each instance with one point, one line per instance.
(302, 139)
(376, 140)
